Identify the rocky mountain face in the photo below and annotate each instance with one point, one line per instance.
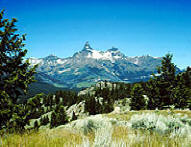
(89, 66)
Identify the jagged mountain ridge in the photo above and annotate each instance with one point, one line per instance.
(89, 66)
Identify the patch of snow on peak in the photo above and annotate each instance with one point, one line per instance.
(103, 55)
(60, 61)
(136, 61)
(65, 70)
(107, 55)
(95, 54)
(117, 57)
(156, 57)
(34, 61)
(88, 49)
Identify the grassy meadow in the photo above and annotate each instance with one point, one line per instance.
(131, 129)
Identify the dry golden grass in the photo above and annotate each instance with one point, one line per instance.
(62, 137)
(43, 138)
(135, 138)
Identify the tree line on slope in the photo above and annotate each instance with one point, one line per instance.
(165, 90)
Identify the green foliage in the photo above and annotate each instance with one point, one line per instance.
(38, 87)
(166, 80)
(181, 93)
(92, 105)
(137, 99)
(44, 120)
(164, 90)
(53, 120)
(168, 88)
(153, 92)
(15, 74)
(6, 106)
(36, 125)
(106, 94)
(101, 102)
(58, 116)
(34, 105)
(167, 69)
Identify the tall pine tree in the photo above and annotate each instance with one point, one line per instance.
(15, 74)
(160, 87)
(166, 80)
(137, 99)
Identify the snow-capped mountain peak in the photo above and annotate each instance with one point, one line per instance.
(107, 55)
(113, 49)
(51, 57)
(111, 54)
(33, 61)
(88, 65)
(87, 46)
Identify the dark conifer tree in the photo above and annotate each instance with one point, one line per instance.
(159, 89)
(137, 99)
(62, 116)
(166, 80)
(53, 120)
(74, 117)
(36, 125)
(15, 74)
(90, 105)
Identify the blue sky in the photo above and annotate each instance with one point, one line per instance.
(136, 27)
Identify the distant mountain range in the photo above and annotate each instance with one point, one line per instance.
(89, 66)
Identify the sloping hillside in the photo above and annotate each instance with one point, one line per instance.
(132, 129)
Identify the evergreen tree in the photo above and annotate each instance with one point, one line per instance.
(58, 117)
(35, 106)
(186, 77)
(47, 119)
(61, 116)
(44, 120)
(41, 121)
(36, 126)
(15, 74)
(166, 80)
(90, 105)
(153, 93)
(137, 99)
(20, 117)
(74, 117)
(181, 94)
(159, 89)
(6, 107)
(53, 120)
(57, 97)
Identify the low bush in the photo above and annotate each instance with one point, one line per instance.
(91, 124)
(170, 124)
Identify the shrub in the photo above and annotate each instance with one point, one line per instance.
(91, 123)
(162, 124)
